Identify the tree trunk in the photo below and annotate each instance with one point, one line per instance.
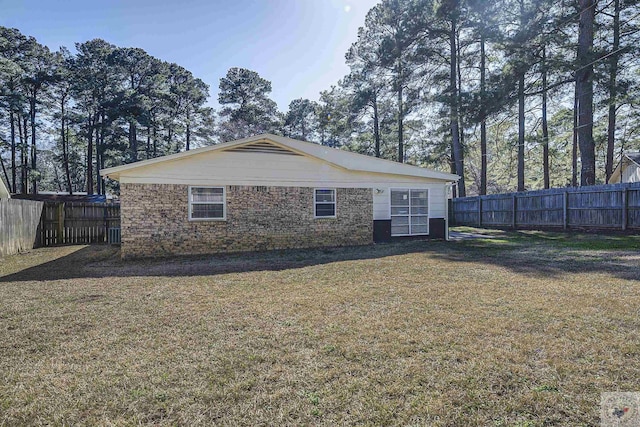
(22, 125)
(14, 187)
(155, 142)
(458, 156)
(574, 152)
(148, 149)
(97, 145)
(483, 118)
(65, 147)
(188, 132)
(68, 166)
(521, 105)
(34, 151)
(169, 138)
(100, 153)
(102, 180)
(461, 127)
(452, 161)
(521, 130)
(98, 160)
(90, 155)
(376, 126)
(399, 90)
(400, 124)
(133, 141)
(545, 126)
(584, 88)
(613, 76)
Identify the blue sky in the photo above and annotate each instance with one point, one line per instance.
(298, 45)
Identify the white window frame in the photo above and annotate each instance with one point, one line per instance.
(409, 215)
(335, 204)
(224, 203)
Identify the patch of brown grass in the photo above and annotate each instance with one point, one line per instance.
(407, 334)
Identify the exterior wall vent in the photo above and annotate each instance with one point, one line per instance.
(262, 147)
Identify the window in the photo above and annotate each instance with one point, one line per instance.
(409, 212)
(324, 201)
(206, 203)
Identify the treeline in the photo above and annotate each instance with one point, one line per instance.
(100, 107)
(509, 94)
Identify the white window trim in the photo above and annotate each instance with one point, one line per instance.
(428, 215)
(335, 204)
(224, 203)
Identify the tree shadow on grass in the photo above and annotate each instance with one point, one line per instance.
(537, 255)
(101, 261)
(552, 254)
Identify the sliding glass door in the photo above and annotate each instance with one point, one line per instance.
(409, 212)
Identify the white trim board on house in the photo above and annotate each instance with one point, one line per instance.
(4, 191)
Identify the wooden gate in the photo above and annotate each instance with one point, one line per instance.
(18, 225)
(68, 223)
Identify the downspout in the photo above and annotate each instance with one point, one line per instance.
(448, 187)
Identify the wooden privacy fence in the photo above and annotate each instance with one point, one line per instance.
(18, 225)
(615, 206)
(65, 223)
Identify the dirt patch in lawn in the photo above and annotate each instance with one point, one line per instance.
(520, 329)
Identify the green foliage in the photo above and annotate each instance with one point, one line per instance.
(246, 106)
(103, 106)
(415, 91)
(301, 121)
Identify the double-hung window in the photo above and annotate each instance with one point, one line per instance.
(409, 212)
(207, 203)
(324, 203)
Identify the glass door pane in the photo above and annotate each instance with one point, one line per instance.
(399, 225)
(400, 210)
(399, 197)
(409, 212)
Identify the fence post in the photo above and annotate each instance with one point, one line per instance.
(39, 232)
(479, 211)
(60, 224)
(514, 208)
(565, 209)
(625, 207)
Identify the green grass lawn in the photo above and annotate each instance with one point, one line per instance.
(522, 329)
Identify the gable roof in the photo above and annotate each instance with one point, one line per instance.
(625, 160)
(4, 192)
(270, 143)
(634, 157)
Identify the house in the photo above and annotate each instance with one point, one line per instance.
(270, 192)
(4, 192)
(628, 170)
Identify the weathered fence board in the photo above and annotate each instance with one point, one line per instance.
(66, 223)
(614, 206)
(18, 225)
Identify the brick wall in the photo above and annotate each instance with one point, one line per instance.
(155, 220)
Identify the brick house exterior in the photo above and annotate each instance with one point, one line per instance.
(269, 192)
(258, 218)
